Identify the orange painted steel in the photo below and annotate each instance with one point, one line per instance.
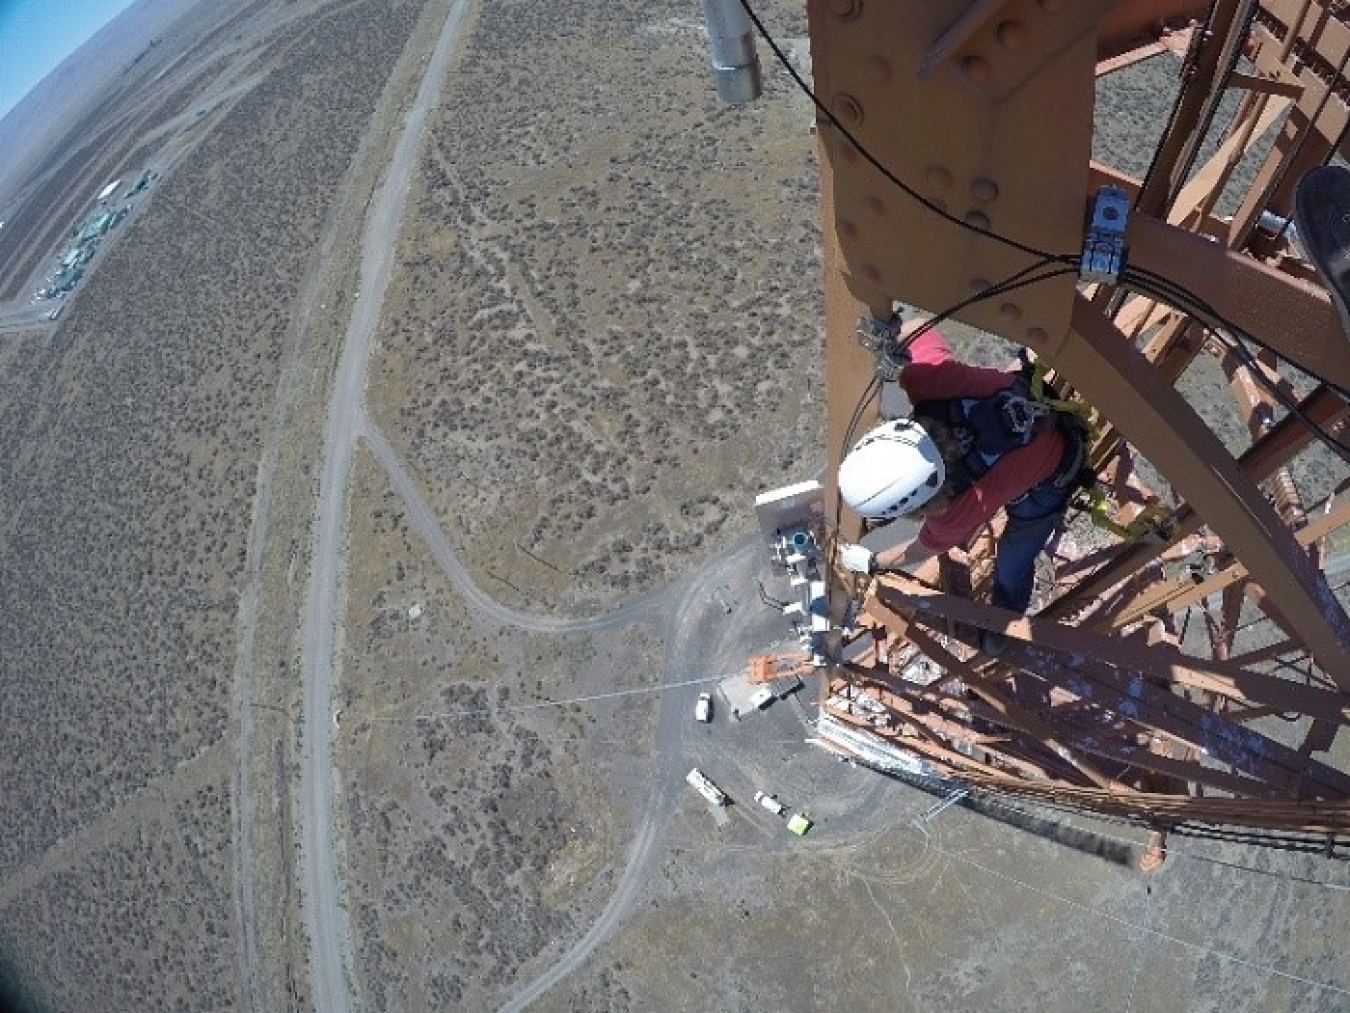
(1108, 698)
(765, 668)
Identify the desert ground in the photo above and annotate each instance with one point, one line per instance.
(374, 513)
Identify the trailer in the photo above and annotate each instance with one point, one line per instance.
(706, 788)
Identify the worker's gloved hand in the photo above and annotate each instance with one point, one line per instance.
(857, 558)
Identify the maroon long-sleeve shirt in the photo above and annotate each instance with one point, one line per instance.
(934, 375)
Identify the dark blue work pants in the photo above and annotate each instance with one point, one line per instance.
(1032, 519)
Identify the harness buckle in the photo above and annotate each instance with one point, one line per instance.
(1018, 415)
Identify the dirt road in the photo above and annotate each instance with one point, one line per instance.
(424, 522)
(320, 870)
(673, 611)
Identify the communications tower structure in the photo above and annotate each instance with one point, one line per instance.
(1193, 667)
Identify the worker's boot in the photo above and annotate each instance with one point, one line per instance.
(993, 643)
(1322, 214)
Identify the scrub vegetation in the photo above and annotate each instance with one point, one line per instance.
(605, 337)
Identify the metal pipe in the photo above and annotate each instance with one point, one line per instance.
(735, 63)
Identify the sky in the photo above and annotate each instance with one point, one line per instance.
(36, 35)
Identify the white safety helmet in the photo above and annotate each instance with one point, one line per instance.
(892, 471)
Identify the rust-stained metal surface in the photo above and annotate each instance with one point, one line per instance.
(1204, 675)
(957, 107)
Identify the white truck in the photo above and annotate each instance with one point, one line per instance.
(706, 788)
(770, 803)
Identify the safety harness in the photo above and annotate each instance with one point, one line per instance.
(1153, 524)
(987, 428)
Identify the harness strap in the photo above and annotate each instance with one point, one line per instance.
(1151, 526)
(987, 428)
(1073, 462)
(1037, 387)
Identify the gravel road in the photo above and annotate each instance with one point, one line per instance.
(320, 870)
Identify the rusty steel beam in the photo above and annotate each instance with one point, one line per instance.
(1311, 816)
(1315, 53)
(951, 760)
(1184, 595)
(1194, 204)
(1114, 377)
(1121, 675)
(1135, 24)
(1322, 407)
(1006, 128)
(1296, 322)
(1215, 53)
(1224, 678)
(1019, 718)
(1258, 407)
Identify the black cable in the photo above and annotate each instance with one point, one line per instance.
(1019, 279)
(1171, 291)
(806, 89)
(1187, 70)
(872, 390)
(1008, 284)
(1071, 260)
(1159, 287)
(1246, 359)
(1016, 281)
(1214, 106)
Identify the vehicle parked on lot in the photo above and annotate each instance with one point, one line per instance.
(770, 803)
(703, 708)
(706, 788)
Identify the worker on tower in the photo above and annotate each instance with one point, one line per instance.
(977, 441)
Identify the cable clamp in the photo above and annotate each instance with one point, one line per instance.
(874, 333)
(882, 339)
(1104, 248)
